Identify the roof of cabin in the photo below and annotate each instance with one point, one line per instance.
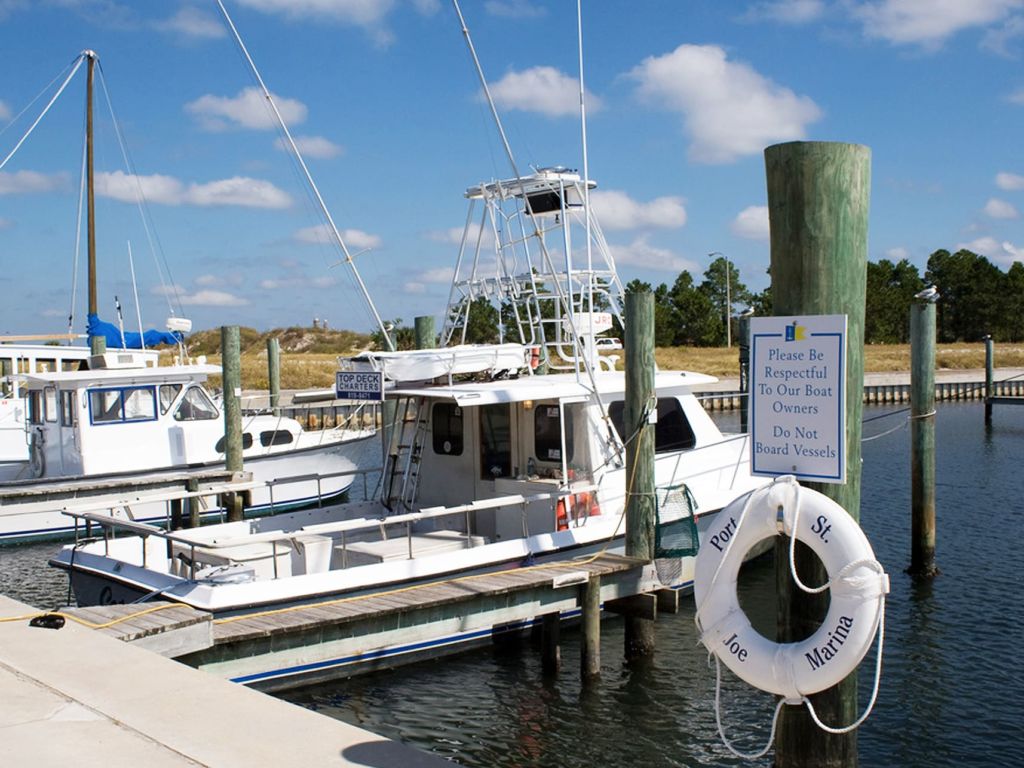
(549, 387)
(118, 376)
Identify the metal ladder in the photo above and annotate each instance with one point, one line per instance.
(405, 462)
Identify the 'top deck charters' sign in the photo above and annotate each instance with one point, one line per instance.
(798, 397)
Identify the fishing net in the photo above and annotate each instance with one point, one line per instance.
(676, 531)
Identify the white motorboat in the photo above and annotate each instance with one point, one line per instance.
(492, 467)
(122, 418)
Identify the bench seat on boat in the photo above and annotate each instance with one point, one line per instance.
(423, 544)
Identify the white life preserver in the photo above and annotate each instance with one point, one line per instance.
(856, 581)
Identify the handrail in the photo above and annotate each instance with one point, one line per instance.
(341, 526)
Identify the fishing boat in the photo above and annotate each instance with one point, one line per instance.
(118, 414)
(499, 455)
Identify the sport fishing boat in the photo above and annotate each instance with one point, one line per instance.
(499, 455)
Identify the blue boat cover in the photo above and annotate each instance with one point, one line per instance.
(132, 340)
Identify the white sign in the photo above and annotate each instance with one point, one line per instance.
(359, 385)
(798, 397)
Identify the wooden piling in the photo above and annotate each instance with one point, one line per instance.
(818, 209)
(640, 407)
(989, 366)
(922, 439)
(231, 365)
(425, 336)
(590, 602)
(274, 374)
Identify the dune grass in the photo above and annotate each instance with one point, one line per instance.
(315, 370)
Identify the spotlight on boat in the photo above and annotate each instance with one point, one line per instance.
(180, 324)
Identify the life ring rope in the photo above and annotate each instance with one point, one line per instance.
(869, 588)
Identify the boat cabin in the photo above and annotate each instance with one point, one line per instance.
(126, 419)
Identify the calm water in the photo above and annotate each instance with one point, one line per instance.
(952, 681)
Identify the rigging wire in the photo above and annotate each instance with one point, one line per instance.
(169, 287)
(309, 178)
(74, 69)
(78, 239)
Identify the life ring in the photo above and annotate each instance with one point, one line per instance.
(857, 590)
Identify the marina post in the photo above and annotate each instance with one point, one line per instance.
(425, 336)
(639, 436)
(274, 374)
(231, 366)
(922, 439)
(818, 194)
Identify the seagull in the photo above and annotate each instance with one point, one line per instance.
(929, 294)
(746, 312)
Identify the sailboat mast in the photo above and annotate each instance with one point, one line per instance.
(96, 343)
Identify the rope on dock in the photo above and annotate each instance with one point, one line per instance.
(90, 624)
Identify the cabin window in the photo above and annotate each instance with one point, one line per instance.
(35, 407)
(671, 433)
(168, 393)
(197, 406)
(547, 433)
(275, 437)
(67, 409)
(495, 441)
(246, 443)
(6, 369)
(446, 419)
(122, 404)
(50, 404)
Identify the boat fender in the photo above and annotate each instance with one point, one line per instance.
(856, 581)
(561, 517)
(534, 358)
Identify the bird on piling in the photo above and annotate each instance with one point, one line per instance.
(929, 294)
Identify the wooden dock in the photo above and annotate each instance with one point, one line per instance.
(170, 629)
(278, 649)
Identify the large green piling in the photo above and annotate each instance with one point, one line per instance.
(639, 407)
(231, 365)
(922, 439)
(274, 374)
(818, 209)
(425, 336)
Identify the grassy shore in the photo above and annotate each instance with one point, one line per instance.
(303, 369)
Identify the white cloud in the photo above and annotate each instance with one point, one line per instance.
(311, 146)
(1000, 209)
(208, 298)
(321, 233)
(897, 254)
(31, 182)
(208, 280)
(1011, 182)
(192, 22)
(786, 11)
(729, 110)
(436, 275)
(617, 210)
(544, 90)
(515, 9)
(167, 190)
(641, 253)
(928, 23)
(1016, 97)
(299, 281)
(368, 14)
(752, 223)
(453, 236)
(998, 39)
(249, 109)
(414, 288)
(1003, 252)
(5, 111)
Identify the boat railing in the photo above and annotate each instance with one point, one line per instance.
(342, 529)
(319, 478)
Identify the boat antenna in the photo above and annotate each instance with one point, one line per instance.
(589, 348)
(309, 178)
(135, 290)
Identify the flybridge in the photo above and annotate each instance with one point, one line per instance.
(548, 191)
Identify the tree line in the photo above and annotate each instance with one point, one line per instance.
(976, 299)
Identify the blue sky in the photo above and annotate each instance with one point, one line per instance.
(683, 96)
